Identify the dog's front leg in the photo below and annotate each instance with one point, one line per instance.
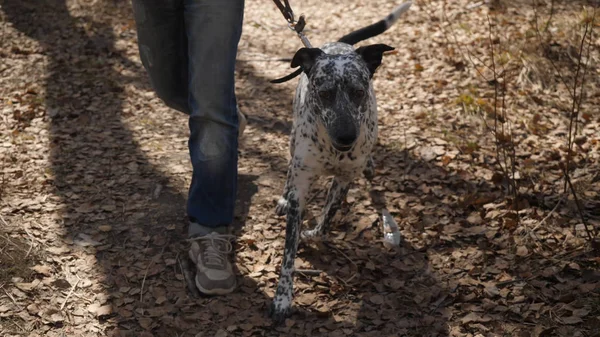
(299, 185)
(282, 203)
(337, 193)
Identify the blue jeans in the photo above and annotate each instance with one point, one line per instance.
(188, 48)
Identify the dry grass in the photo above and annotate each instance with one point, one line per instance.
(16, 257)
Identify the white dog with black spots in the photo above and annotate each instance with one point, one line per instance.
(334, 131)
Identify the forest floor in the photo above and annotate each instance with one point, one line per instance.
(475, 110)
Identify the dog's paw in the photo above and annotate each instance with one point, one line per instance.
(282, 206)
(279, 312)
(311, 235)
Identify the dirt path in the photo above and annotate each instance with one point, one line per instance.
(94, 173)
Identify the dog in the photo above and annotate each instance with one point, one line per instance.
(334, 130)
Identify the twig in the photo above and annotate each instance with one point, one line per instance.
(7, 238)
(468, 52)
(550, 16)
(86, 299)
(174, 266)
(576, 102)
(442, 299)
(28, 234)
(3, 221)
(585, 71)
(146, 273)
(309, 272)
(506, 137)
(69, 294)
(144, 279)
(505, 283)
(343, 254)
(475, 5)
(31, 244)
(531, 232)
(549, 214)
(12, 298)
(585, 224)
(541, 42)
(349, 259)
(350, 278)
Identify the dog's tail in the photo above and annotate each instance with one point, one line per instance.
(361, 34)
(376, 28)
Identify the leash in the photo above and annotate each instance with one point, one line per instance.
(296, 26)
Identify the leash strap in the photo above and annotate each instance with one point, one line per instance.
(296, 26)
(285, 9)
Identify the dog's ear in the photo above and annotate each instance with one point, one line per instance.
(373, 54)
(305, 58)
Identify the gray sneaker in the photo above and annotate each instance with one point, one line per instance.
(214, 273)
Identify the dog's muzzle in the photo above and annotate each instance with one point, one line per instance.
(343, 133)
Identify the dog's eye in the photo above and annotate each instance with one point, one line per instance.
(358, 93)
(325, 94)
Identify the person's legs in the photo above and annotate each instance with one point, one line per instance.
(163, 47)
(188, 48)
(213, 30)
(207, 32)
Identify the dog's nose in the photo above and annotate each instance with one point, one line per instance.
(343, 132)
(346, 139)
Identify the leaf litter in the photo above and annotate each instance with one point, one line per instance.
(95, 171)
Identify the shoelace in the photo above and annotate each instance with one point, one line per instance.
(212, 243)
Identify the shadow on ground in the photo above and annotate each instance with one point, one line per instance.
(110, 191)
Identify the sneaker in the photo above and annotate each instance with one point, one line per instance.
(214, 273)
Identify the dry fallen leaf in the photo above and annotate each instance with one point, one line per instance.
(100, 310)
(58, 250)
(42, 269)
(104, 310)
(221, 333)
(376, 299)
(145, 323)
(26, 287)
(105, 228)
(85, 240)
(33, 309)
(474, 317)
(571, 320)
(522, 251)
(160, 300)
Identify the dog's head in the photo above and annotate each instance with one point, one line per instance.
(339, 88)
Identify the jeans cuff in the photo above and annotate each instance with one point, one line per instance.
(195, 229)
